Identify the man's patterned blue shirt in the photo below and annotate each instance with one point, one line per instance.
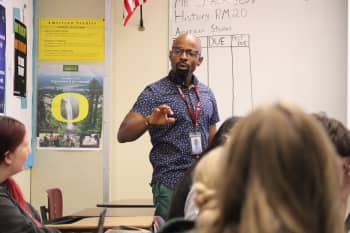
(171, 152)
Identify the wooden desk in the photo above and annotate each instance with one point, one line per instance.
(115, 212)
(128, 203)
(91, 223)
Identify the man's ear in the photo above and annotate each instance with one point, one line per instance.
(200, 59)
(7, 158)
(170, 54)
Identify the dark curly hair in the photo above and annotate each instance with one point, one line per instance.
(337, 132)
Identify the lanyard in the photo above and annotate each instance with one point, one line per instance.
(194, 116)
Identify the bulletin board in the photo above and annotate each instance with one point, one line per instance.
(16, 77)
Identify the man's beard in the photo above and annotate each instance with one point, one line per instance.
(182, 71)
(181, 74)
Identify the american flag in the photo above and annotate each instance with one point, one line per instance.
(129, 8)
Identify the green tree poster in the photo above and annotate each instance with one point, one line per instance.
(70, 100)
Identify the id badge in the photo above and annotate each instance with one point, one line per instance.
(196, 143)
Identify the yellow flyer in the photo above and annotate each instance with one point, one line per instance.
(71, 39)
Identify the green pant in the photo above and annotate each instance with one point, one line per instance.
(161, 199)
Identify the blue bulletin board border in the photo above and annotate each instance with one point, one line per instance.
(30, 160)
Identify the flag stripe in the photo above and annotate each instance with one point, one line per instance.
(129, 8)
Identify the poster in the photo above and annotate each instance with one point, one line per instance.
(20, 75)
(69, 106)
(2, 57)
(71, 39)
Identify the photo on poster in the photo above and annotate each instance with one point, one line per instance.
(69, 106)
(90, 140)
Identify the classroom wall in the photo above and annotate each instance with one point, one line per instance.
(23, 9)
(77, 173)
(138, 58)
(23, 180)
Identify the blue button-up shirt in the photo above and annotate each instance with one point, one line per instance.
(171, 152)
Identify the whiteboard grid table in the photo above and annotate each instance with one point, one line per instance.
(228, 56)
(261, 51)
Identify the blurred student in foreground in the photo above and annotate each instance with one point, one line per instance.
(16, 216)
(182, 202)
(279, 174)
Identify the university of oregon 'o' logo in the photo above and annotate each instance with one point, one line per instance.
(56, 107)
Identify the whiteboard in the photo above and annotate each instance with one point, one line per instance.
(258, 51)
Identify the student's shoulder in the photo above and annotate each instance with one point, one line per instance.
(4, 194)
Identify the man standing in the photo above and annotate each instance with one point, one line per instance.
(177, 110)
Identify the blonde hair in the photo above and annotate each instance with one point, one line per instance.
(279, 174)
(206, 175)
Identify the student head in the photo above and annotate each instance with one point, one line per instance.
(205, 179)
(337, 132)
(279, 174)
(14, 147)
(340, 137)
(185, 55)
(207, 170)
(221, 135)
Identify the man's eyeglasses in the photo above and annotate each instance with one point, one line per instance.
(189, 52)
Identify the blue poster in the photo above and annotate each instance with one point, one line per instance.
(2, 57)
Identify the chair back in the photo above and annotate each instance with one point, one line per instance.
(55, 203)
